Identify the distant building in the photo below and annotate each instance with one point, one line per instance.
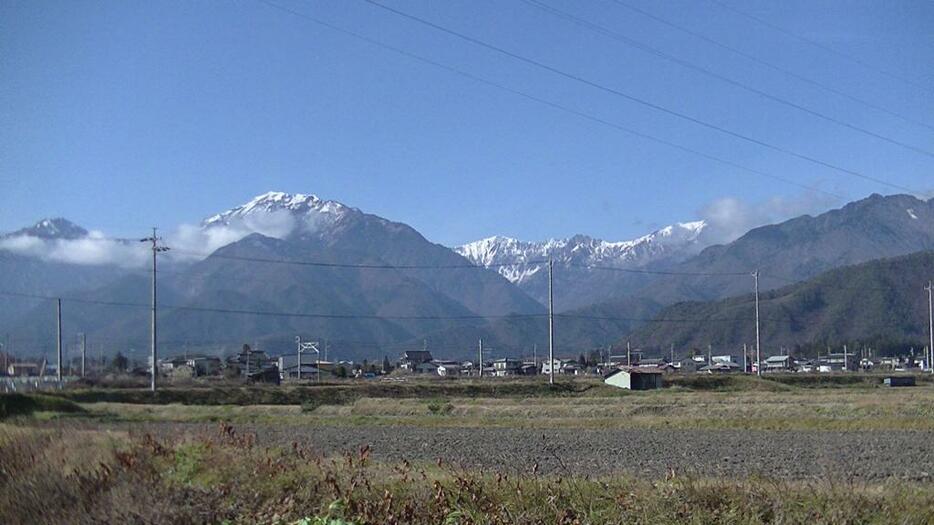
(289, 369)
(777, 363)
(412, 358)
(507, 367)
(720, 368)
(838, 362)
(635, 379)
(449, 369)
(23, 369)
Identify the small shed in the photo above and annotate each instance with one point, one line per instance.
(635, 379)
(899, 381)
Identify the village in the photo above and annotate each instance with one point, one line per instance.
(256, 366)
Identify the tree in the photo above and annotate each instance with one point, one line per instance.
(581, 360)
(386, 366)
(119, 363)
(341, 371)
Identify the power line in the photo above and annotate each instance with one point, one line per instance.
(703, 70)
(637, 100)
(817, 44)
(770, 65)
(347, 265)
(545, 102)
(658, 272)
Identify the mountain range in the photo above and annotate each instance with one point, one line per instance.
(578, 282)
(287, 264)
(877, 303)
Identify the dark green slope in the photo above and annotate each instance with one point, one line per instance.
(882, 300)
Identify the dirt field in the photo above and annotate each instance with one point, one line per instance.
(851, 455)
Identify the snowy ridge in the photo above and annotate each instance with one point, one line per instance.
(56, 228)
(510, 256)
(297, 204)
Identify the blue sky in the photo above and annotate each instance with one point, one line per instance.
(122, 115)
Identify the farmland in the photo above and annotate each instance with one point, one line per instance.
(739, 451)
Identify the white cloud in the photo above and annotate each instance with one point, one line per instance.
(192, 238)
(94, 249)
(728, 218)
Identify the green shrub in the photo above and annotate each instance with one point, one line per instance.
(26, 404)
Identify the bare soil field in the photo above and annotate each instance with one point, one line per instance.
(850, 455)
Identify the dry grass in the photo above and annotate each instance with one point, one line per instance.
(814, 409)
(53, 476)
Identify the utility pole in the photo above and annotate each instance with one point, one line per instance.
(845, 367)
(58, 326)
(930, 289)
(755, 275)
(709, 353)
(153, 338)
(551, 323)
(481, 357)
(298, 341)
(84, 352)
(745, 352)
(672, 349)
(628, 354)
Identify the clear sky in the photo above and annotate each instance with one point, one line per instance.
(123, 114)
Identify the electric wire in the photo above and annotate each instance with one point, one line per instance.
(637, 100)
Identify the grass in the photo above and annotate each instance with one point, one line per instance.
(795, 409)
(225, 477)
(25, 405)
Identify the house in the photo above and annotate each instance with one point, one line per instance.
(635, 378)
(288, 367)
(777, 363)
(449, 369)
(720, 368)
(838, 362)
(23, 369)
(723, 359)
(561, 366)
(507, 366)
(204, 365)
(428, 367)
(412, 358)
(528, 369)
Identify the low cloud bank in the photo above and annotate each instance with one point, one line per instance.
(728, 218)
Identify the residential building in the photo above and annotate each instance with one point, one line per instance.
(412, 358)
(635, 378)
(778, 363)
(507, 367)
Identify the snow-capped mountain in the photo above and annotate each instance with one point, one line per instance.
(277, 214)
(511, 257)
(56, 228)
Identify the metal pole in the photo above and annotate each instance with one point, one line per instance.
(481, 358)
(745, 354)
(758, 350)
(930, 289)
(58, 326)
(298, 340)
(628, 355)
(551, 323)
(153, 341)
(84, 352)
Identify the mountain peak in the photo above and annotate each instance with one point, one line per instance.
(298, 204)
(52, 228)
